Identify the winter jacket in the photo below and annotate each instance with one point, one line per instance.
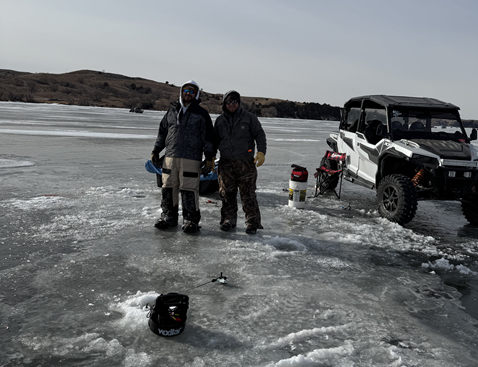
(236, 135)
(186, 136)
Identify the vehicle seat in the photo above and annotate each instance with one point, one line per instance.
(370, 131)
(353, 127)
(417, 126)
(397, 125)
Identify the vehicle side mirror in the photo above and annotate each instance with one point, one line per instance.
(474, 134)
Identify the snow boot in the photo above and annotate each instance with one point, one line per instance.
(251, 229)
(164, 224)
(226, 226)
(169, 216)
(190, 212)
(190, 227)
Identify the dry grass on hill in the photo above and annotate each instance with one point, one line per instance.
(92, 88)
(96, 88)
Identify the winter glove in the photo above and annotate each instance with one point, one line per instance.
(260, 159)
(155, 159)
(208, 167)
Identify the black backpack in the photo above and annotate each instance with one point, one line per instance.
(168, 315)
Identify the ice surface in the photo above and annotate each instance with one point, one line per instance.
(319, 286)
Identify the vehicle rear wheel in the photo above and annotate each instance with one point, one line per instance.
(469, 206)
(397, 199)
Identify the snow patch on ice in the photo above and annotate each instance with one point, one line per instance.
(93, 213)
(444, 265)
(85, 134)
(151, 212)
(306, 334)
(318, 356)
(10, 163)
(84, 345)
(38, 203)
(333, 263)
(338, 226)
(268, 191)
(285, 244)
(134, 310)
(126, 192)
(134, 359)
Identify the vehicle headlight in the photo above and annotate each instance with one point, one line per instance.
(425, 159)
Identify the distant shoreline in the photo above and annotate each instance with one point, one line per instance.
(100, 89)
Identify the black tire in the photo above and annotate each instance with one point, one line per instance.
(333, 165)
(397, 199)
(469, 206)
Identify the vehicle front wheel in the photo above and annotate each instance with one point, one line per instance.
(469, 206)
(397, 199)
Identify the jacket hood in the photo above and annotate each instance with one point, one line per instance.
(227, 94)
(189, 82)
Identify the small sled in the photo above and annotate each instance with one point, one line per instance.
(207, 184)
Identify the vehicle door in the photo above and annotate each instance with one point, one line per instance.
(347, 136)
(369, 143)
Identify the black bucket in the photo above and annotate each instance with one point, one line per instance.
(168, 315)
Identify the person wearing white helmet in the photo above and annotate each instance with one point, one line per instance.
(185, 132)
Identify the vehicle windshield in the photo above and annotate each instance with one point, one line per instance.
(426, 124)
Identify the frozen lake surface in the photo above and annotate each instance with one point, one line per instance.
(320, 286)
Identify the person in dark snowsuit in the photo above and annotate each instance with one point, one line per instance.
(236, 133)
(185, 132)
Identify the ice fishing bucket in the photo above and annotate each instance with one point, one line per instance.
(298, 186)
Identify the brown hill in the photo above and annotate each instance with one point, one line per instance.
(95, 88)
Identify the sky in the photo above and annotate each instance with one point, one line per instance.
(302, 50)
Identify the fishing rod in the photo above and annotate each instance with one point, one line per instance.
(221, 279)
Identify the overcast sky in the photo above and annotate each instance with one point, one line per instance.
(300, 50)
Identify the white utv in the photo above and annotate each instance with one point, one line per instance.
(408, 149)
